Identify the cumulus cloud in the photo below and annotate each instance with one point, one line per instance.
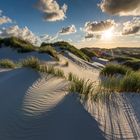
(121, 7)
(52, 10)
(92, 27)
(23, 33)
(68, 30)
(4, 19)
(131, 27)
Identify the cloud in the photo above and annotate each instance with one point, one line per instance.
(121, 7)
(131, 27)
(91, 36)
(51, 10)
(23, 33)
(92, 27)
(48, 38)
(68, 30)
(4, 19)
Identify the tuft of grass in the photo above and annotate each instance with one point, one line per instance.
(127, 83)
(6, 63)
(112, 83)
(51, 70)
(131, 82)
(49, 50)
(114, 69)
(31, 62)
(79, 85)
(66, 64)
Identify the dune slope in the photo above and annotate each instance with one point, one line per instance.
(38, 107)
(118, 116)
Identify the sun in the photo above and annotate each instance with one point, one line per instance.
(107, 35)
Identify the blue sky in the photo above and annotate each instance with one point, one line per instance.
(25, 13)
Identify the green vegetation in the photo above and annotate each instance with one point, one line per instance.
(31, 62)
(88, 52)
(49, 50)
(134, 64)
(78, 85)
(51, 70)
(113, 69)
(131, 62)
(19, 44)
(66, 46)
(129, 81)
(6, 63)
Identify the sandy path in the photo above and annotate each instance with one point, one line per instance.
(39, 108)
(117, 117)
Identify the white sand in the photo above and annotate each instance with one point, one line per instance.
(79, 67)
(119, 117)
(35, 107)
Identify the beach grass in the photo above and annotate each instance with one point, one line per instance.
(7, 63)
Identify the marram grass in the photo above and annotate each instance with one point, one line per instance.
(7, 63)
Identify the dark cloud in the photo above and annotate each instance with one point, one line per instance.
(121, 7)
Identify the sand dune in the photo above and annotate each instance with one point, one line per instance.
(9, 53)
(36, 107)
(78, 67)
(117, 117)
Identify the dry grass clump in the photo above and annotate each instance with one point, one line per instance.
(7, 63)
(31, 62)
(80, 85)
(129, 81)
(51, 70)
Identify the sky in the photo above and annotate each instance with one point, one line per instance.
(84, 23)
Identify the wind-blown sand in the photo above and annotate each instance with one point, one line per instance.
(35, 107)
